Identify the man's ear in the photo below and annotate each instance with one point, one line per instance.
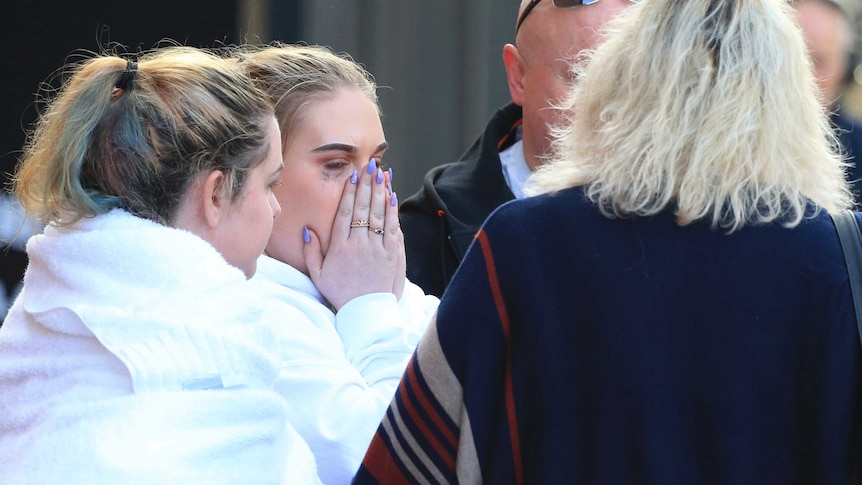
(514, 73)
(212, 198)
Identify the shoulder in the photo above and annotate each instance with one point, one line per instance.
(476, 178)
(279, 281)
(522, 232)
(426, 200)
(568, 205)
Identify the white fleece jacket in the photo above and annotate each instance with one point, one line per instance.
(339, 371)
(136, 354)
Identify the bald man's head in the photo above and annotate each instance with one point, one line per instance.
(538, 65)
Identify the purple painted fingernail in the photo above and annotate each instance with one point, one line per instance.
(354, 178)
(305, 235)
(393, 201)
(372, 165)
(390, 174)
(379, 176)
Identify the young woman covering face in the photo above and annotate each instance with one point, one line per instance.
(335, 137)
(336, 254)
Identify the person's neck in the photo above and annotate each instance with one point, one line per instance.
(533, 162)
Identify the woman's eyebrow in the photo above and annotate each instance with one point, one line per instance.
(344, 147)
(341, 147)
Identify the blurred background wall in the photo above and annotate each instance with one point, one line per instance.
(439, 65)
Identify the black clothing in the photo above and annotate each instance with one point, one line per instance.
(440, 220)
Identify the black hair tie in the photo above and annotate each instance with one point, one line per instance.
(127, 76)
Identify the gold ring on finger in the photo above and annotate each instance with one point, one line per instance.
(359, 223)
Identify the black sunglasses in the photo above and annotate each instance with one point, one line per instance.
(557, 4)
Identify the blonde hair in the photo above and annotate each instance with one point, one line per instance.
(294, 76)
(135, 135)
(708, 107)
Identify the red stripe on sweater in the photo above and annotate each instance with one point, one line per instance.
(380, 464)
(504, 321)
(447, 458)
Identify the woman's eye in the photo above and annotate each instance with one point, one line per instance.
(381, 165)
(277, 183)
(336, 164)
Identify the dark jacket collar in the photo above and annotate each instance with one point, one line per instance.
(465, 192)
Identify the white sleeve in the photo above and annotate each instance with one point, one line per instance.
(377, 340)
(339, 383)
(417, 308)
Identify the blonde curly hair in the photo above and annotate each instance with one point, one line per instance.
(706, 107)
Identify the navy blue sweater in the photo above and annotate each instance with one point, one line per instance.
(583, 349)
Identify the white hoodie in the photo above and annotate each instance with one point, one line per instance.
(339, 371)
